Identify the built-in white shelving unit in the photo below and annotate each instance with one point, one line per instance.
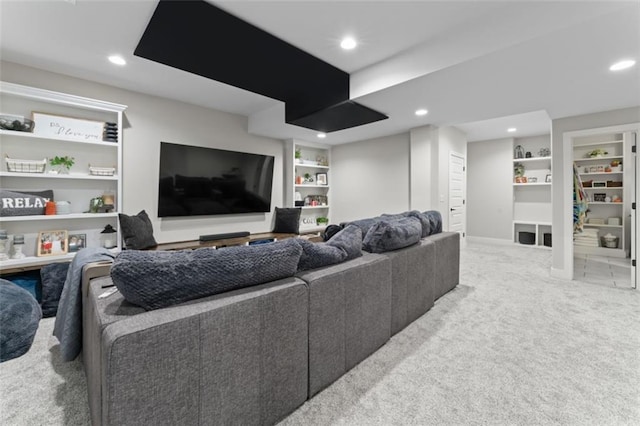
(605, 183)
(301, 181)
(77, 187)
(532, 191)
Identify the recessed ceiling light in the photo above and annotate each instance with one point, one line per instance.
(117, 59)
(622, 65)
(348, 43)
(322, 135)
(511, 129)
(421, 112)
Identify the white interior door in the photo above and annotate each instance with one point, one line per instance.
(634, 213)
(457, 194)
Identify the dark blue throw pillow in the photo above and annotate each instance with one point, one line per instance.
(53, 277)
(392, 235)
(156, 279)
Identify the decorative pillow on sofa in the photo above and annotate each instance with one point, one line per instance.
(343, 246)
(156, 279)
(435, 218)
(363, 224)
(137, 231)
(287, 220)
(424, 220)
(53, 277)
(392, 235)
(24, 203)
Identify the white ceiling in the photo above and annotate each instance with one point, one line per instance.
(478, 65)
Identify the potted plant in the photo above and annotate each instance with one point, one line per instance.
(322, 220)
(308, 178)
(518, 169)
(298, 156)
(61, 164)
(599, 152)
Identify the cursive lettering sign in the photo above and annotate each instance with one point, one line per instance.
(68, 127)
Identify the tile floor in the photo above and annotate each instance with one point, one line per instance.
(608, 271)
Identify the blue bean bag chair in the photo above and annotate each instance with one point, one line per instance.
(19, 317)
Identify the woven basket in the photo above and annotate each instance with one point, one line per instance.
(102, 171)
(25, 166)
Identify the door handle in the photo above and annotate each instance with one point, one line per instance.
(453, 210)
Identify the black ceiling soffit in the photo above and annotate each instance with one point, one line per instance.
(200, 38)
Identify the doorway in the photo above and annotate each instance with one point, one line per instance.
(457, 207)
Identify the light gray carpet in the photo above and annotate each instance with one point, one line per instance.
(509, 346)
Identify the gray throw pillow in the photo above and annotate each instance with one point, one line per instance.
(24, 203)
(137, 231)
(363, 224)
(156, 279)
(392, 235)
(424, 221)
(435, 219)
(287, 220)
(317, 255)
(349, 240)
(343, 246)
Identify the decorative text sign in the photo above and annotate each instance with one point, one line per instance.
(67, 127)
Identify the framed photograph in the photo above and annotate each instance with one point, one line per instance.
(547, 178)
(77, 242)
(599, 198)
(51, 243)
(321, 178)
(593, 169)
(599, 184)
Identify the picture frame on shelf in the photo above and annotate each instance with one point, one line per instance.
(77, 242)
(599, 198)
(53, 243)
(321, 178)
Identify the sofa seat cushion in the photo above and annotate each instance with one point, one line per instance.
(158, 279)
(387, 235)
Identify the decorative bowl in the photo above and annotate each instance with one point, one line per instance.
(16, 123)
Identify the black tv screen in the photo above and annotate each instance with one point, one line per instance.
(207, 181)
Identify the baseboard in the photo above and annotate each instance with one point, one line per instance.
(561, 273)
(500, 241)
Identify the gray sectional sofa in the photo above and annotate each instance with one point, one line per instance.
(253, 355)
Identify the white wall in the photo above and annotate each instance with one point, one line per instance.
(371, 177)
(490, 189)
(424, 168)
(150, 120)
(562, 264)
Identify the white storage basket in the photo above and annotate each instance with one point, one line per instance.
(102, 171)
(25, 166)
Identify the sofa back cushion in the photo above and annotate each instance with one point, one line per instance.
(387, 235)
(156, 279)
(343, 246)
(424, 220)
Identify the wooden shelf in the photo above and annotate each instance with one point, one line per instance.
(78, 176)
(595, 225)
(54, 138)
(315, 207)
(601, 173)
(597, 143)
(531, 160)
(72, 216)
(533, 184)
(604, 158)
(311, 186)
(310, 166)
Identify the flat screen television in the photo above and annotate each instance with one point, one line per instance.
(207, 181)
